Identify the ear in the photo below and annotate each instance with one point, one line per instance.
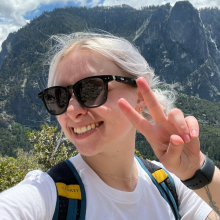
(140, 105)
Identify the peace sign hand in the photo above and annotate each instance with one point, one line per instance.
(174, 139)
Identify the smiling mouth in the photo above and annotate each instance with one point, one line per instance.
(87, 128)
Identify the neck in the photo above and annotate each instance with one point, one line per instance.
(118, 170)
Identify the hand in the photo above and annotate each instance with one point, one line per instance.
(174, 139)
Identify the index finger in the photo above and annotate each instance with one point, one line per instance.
(151, 101)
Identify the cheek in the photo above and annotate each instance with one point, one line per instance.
(114, 116)
(62, 121)
(129, 96)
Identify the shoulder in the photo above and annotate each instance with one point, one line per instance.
(32, 198)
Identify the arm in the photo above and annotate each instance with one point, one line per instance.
(174, 140)
(33, 198)
(211, 195)
(213, 216)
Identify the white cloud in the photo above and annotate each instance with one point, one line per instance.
(5, 29)
(12, 11)
(134, 3)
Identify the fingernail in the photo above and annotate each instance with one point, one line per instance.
(194, 133)
(186, 138)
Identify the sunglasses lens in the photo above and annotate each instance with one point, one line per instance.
(56, 100)
(91, 92)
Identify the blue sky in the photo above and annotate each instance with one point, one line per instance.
(16, 13)
(31, 14)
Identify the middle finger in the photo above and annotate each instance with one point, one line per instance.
(176, 118)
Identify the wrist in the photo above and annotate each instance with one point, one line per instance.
(202, 177)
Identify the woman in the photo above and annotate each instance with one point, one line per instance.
(101, 122)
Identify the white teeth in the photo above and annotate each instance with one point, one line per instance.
(85, 128)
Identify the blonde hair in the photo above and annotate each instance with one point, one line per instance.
(120, 51)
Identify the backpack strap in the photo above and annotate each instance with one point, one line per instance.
(71, 196)
(164, 182)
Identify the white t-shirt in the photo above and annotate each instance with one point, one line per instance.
(35, 198)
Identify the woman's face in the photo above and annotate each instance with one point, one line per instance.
(104, 128)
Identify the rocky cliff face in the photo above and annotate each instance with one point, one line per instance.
(180, 43)
(181, 50)
(6, 47)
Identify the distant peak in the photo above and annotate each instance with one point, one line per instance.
(183, 4)
(184, 11)
(126, 6)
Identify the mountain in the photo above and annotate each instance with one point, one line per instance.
(23, 72)
(182, 50)
(181, 43)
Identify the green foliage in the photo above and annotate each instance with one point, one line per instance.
(12, 170)
(144, 148)
(45, 142)
(210, 142)
(13, 138)
(138, 154)
(206, 112)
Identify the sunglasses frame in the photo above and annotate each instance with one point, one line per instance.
(106, 79)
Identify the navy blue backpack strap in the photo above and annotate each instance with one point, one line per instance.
(164, 182)
(71, 197)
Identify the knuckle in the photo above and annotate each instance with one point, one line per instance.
(183, 127)
(174, 112)
(191, 120)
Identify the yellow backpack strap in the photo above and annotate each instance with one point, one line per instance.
(71, 198)
(68, 191)
(160, 175)
(164, 183)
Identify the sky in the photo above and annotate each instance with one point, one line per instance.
(14, 14)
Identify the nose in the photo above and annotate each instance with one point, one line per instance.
(75, 110)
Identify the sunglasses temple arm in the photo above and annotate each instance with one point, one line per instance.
(125, 80)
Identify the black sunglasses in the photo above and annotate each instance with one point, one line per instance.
(90, 92)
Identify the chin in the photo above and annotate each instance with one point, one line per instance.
(88, 150)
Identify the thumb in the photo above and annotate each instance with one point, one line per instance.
(171, 159)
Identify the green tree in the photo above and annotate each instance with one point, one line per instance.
(45, 142)
(12, 170)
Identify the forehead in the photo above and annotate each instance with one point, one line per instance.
(79, 64)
